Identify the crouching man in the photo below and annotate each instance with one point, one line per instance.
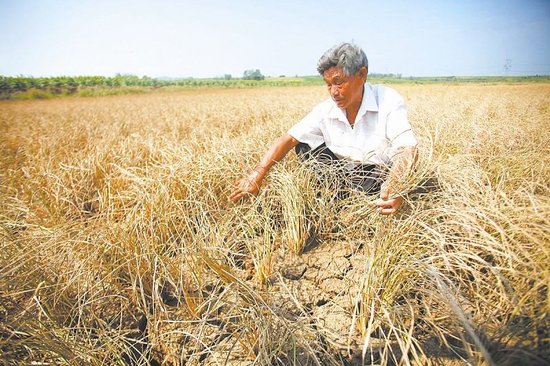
(362, 128)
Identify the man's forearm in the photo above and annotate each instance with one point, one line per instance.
(275, 153)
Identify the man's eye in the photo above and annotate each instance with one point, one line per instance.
(336, 83)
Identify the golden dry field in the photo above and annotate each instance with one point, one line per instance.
(119, 244)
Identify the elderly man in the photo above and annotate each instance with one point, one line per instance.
(362, 127)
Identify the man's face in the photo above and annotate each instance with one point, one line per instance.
(345, 90)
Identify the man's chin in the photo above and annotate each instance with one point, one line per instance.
(340, 103)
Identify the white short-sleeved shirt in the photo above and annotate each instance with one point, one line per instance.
(381, 127)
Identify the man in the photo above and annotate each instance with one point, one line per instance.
(362, 127)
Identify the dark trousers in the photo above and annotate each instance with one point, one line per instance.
(367, 178)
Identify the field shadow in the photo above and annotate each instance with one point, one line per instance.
(313, 241)
(426, 186)
(522, 341)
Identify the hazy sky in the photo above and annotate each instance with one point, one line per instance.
(211, 38)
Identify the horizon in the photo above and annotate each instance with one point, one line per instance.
(189, 40)
(233, 77)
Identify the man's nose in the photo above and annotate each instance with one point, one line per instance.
(334, 91)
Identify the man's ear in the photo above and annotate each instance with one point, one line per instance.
(363, 71)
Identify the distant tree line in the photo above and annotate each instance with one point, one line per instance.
(72, 84)
(44, 87)
(381, 76)
(23, 87)
(253, 75)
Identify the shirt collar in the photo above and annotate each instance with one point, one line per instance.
(368, 104)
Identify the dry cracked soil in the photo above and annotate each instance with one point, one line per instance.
(312, 296)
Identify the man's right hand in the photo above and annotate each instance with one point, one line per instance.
(247, 186)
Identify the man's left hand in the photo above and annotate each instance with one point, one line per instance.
(387, 205)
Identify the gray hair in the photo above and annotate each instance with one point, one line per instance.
(348, 56)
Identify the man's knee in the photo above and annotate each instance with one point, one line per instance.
(321, 153)
(303, 150)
